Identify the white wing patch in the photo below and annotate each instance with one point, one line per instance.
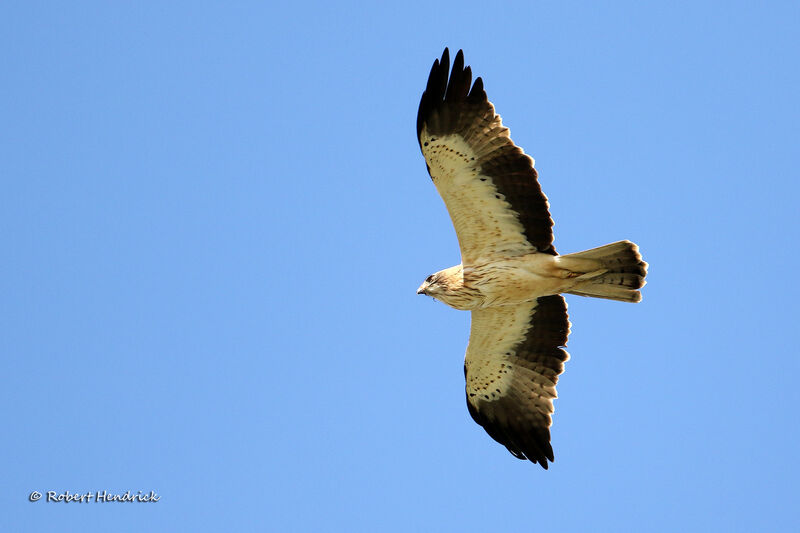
(484, 221)
(490, 357)
(493, 369)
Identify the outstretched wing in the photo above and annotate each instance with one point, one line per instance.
(487, 182)
(513, 361)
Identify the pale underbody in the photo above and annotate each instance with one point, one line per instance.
(510, 281)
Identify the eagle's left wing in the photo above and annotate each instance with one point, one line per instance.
(513, 360)
(487, 182)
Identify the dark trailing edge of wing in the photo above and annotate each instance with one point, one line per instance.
(454, 105)
(523, 431)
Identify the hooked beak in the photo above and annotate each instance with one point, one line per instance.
(422, 288)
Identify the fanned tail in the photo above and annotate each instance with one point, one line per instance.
(614, 271)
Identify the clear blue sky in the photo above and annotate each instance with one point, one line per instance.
(215, 216)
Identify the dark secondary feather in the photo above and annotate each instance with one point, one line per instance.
(514, 420)
(453, 105)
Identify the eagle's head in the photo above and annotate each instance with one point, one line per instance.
(431, 286)
(447, 286)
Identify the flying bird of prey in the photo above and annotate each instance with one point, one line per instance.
(510, 276)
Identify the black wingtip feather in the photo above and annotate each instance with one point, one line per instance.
(437, 83)
(460, 80)
(534, 447)
(447, 84)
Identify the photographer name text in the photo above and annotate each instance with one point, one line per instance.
(100, 496)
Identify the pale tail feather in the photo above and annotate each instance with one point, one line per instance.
(614, 271)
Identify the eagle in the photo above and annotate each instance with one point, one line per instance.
(510, 278)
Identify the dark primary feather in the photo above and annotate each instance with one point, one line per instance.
(515, 420)
(450, 106)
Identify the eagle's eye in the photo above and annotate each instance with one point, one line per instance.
(429, 279)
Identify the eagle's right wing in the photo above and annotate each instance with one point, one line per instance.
(487, 182)
(513, 361)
